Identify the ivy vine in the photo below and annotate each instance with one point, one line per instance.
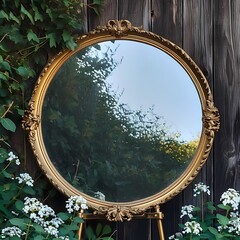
(31, 32)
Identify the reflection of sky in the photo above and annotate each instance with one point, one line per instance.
(147, 78)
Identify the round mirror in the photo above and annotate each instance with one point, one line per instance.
(125, 119)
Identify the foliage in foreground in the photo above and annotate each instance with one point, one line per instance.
(23, 216)
(214, 222)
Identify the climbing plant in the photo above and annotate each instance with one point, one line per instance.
(31, 32)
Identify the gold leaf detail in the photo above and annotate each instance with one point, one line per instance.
(211, 118)
(118, 213)
(30, 122)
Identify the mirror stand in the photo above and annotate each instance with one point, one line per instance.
(157, 214)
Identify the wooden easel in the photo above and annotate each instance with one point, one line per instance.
(158, 215)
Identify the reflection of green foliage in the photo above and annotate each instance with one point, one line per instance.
(99, 144)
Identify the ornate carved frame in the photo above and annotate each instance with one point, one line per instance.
(122, 30)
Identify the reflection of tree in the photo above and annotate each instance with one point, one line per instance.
(99, 144)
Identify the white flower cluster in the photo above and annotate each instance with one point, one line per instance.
(11, 232)
(187, 211)
(233, 226)
(75, 203)
(177, 236)
(231, 197)
(200, 188)
(25, 178)
(64, 238)
(192, 227)
(12, 157)
(99, 195)
(42, 215)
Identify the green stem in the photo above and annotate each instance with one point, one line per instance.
(28, 229)
(5, 167)
(18, 193)
(202, 206)
(8, 109)
(191, 236)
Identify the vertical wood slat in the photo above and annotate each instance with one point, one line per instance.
(136, 11)
(167, 19)
(227, 92)
(198, 43)
(167, 22)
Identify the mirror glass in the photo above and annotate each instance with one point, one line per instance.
(120, 116)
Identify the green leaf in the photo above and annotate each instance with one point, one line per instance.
(52, 39)
(4, 210)
(66, 35)
(37, 14)
(38, 228)
(78, 220)
(49, 12)
(25, 72)
(225, 207)
(63, 216)
(223, 220)
(19, 205)
(28, 190)
(89, 233)
(71, 44)
(6, 65)
(97, 2)
(39, 237)
(17, 222)
(215, 232)
(107, 229)
(3, 76)
(98, 229)
(32, 36)
(14, 18)
(25, 12)
(3, 15)
(6, 174)
(210, 206)
(20, 112)
(8, 124)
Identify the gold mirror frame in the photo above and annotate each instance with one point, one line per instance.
(123, 30)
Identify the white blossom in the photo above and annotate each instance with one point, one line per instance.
(192, 227)
(25, 178)
(99, 195)
(31, 205)
(75, 203)
(231, 197)
(63, 237)
(177, 236)
(42, 215)
(12, 157)
(11, 231)
(200, 188)
(187, 211)
(234, 226)
(51, 230)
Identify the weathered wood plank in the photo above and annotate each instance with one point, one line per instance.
(137, 12)
(108, 12)
(227, 92)
(198, 43)
(167, 19)
(167, 22)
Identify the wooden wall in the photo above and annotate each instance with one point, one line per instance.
(209, 31)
